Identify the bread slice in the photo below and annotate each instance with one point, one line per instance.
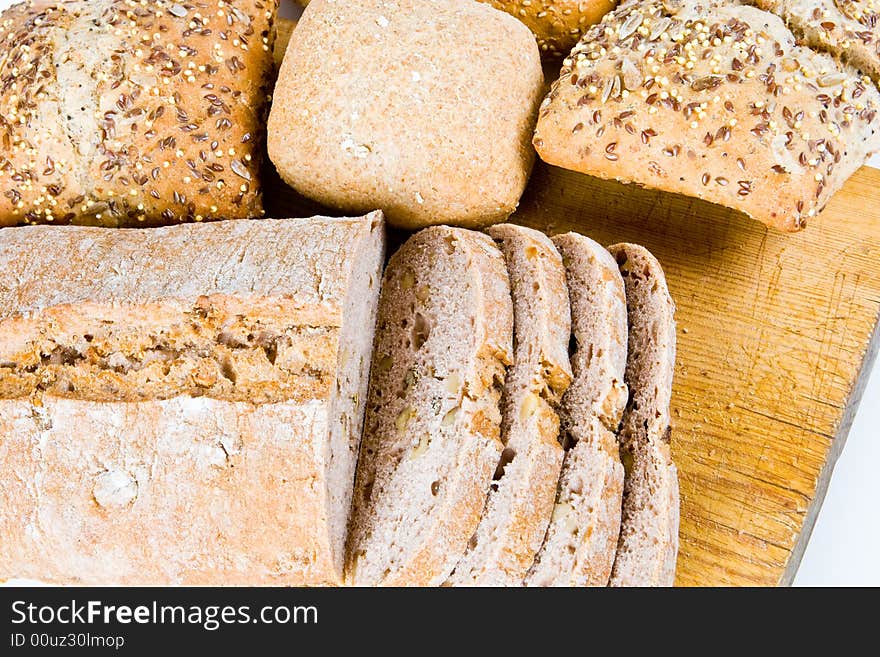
(432, 431)
(648, 544)
(579, 546)
(845, 28)
(183, 405)
(521, 497)
(712, 101)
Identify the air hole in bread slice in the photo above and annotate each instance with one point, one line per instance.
(421, 331)
(271, 352)
(230, 339)
(507, 456)
(626, 458)
(228, 371)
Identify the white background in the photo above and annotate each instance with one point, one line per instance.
(845, 546)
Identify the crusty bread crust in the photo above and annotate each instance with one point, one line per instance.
(712, 101)
(432, 430)
(133, 114)
(423, 108)
(648, 544)
(579, 546)
(520, 500)
(181, 481)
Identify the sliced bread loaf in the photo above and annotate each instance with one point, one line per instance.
(648, 544)
(183, 405)
(432, 430)
(521, 498)
(579, 546)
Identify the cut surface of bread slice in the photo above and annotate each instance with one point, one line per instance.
(432, 430)
(521, 497)
(579, 546)
(648, 544)
(848, 29)
(712, 101)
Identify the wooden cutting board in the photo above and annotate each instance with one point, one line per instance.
(776, 334)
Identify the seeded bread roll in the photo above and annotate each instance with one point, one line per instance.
(558, 24)
(183, 405)
(580, 543)
(424, 108)
(710, 101)
(847, 29)
(648, 544)
(432, 436)
(521, 497)
(120, 114)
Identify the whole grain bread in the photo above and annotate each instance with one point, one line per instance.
(557, 24)
(648, 545)
(120, 114)
(712, 101)
(423, 108)
(847, 29)
(183, 405)
(521, 497)
(581, 540)
(432, 430)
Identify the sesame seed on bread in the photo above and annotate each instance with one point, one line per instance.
(557, 24)
(130, 113)
(712, 101)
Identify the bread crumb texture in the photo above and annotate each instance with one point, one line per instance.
(581, 538)
(710, 100)
(133, 112)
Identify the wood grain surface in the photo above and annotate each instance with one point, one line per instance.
(775, 332)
